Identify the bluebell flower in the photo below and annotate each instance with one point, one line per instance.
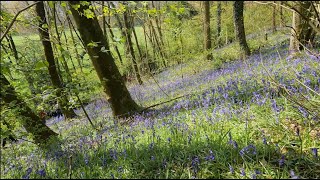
(264, 140)
(234, 143)
(257, 171)
(253, 176)
(164, 163)
(293, 176)
(248, 149)
(242, 172)
(151, 145)
(195, 164)
(27, 175)
(152, 158)
(210, 157)
(282, 160)
(189, 138)
(231, 169)
(120, 169)
(303, 111)
(169, 140)
(314, 152)
(274, 106)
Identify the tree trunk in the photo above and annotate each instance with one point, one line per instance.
(219, 23)
(158, 26)
(307, 33)
(31, 122)
(115, 46)
(119, 97)
(54, 76)
(206, 25)
(294, 42)
(282, 23)
(274, 26)
(129, 43)
(13, 47)
(74, 43)
(239, 28)
(60, 49)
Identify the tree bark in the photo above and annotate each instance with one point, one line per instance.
(301, 33)
(115, 46)
(74, 43)
(206, 25)
(128, 26)
(219, 23)
(282, 23)
(239, 28)
(274, 26)
(122, 104)
(31, 122)
(54, 76)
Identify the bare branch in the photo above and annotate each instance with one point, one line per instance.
(14, 19)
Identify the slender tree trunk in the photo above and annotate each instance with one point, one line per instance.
(119, 97)
(274, 16)
(60, 49)
(115, 46)
(206, 26)
(137, 42)
(239, 28)
(104, 22)
(146, 43)
(158, 26)
(56, 81)
(154, 34)
(282, 23)
(31, 122)
(129, 42)
(121, 27)
(74, 43)
(219, 23)
(13, 46)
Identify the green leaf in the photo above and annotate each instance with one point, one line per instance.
(41, 64)
(76, 6)
(92, 44)
(88, 13)
(63, 4)
(44, 26)
(51, 4)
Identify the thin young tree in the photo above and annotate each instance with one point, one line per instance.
(128, 29)
(239, 28)
(120, 100)
(219, 22)
(274, 16)
(206, 25)
(54, 76)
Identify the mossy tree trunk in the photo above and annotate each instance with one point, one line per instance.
(54, 76)
(207, 34)
(120, 100)
(239, 28)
